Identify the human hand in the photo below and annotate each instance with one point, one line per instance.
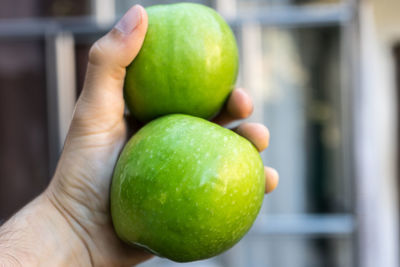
(79, 191)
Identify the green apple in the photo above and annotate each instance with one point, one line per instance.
(188, 63)
(186, 189)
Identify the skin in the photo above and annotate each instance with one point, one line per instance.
(69, 224)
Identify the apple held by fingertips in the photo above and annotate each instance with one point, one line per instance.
(186, 189)
(188, 63)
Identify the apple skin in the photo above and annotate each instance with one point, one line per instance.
(188, 63)
(186, 189)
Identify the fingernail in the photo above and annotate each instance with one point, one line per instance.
(241, 91)
(274, 172)
(130, 20)
(272, 180)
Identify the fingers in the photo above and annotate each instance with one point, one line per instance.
(256, 133)
(271, 179)
(238, 106)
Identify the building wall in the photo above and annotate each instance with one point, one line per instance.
(375, 136)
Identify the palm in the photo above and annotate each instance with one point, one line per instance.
(92, 147)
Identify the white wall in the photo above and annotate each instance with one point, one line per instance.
(375, 135)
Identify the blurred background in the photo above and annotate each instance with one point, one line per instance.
(324, 76)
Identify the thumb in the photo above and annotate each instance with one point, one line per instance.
(119, 47)
(102, 93)
(110, 55)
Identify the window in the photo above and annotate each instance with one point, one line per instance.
(296, 63)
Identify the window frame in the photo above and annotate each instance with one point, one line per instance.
(60, 35)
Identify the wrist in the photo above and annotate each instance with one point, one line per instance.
(41, 232)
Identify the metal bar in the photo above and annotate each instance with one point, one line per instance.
(227, 8)
(308, 225)
(66, 77)
(61, 91)
(52, 103)
(104, 11)
(40, 27)
(288, 16)
(253, 67)
(349, 72)
(374, 147)
(297, 16)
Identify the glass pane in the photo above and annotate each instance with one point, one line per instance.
(298, 252)
(293, 76)
(273, 251)
(23, 120)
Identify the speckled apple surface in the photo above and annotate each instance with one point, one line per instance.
(188, 63)
(186, 189)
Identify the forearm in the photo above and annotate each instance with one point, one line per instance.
(39, 235)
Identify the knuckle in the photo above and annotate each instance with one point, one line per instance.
(97, 53)
(104, 47)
